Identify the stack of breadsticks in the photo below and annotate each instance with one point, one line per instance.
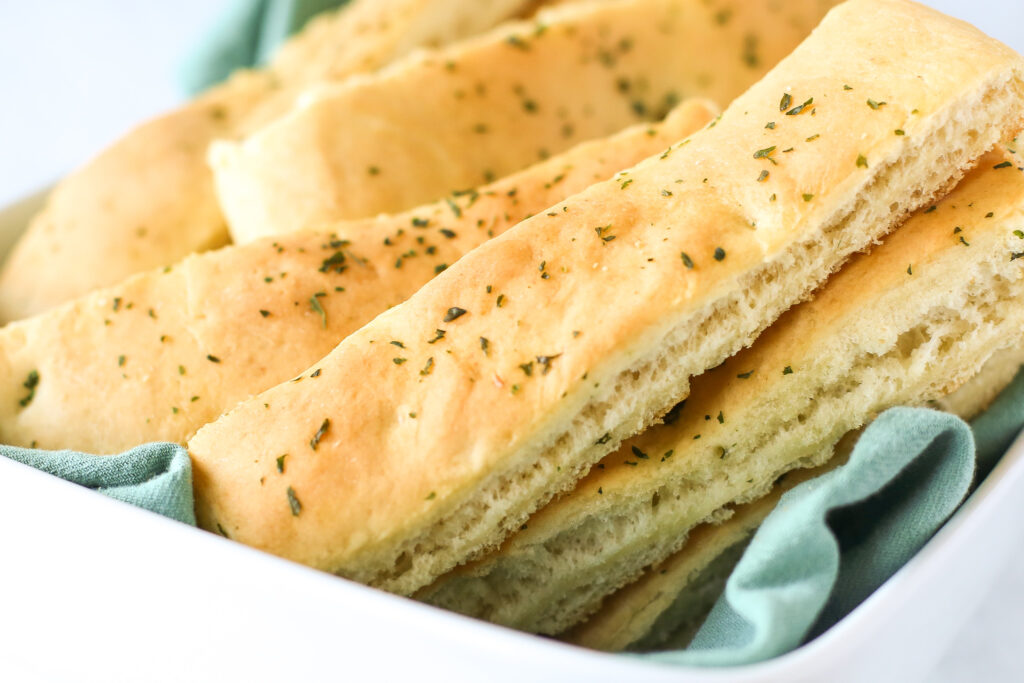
(519, 324)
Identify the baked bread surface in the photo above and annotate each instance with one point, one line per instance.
(904, 325)
(148, 200)
(456, 118)
(265, 311)
(582, 325)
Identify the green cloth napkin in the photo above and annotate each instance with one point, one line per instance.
(833, 540)
(826, 547)
(156, 476)
(244, 35)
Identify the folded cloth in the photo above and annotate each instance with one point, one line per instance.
(156, 476)
(245, 35)
(827, 546)
(833, 540)
(996, 428)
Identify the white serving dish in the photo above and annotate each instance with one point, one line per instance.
(92, 589)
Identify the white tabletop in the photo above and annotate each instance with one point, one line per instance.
(74, 74)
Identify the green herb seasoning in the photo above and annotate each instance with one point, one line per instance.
(763, 177)
(766, 153)
(876, 105)
(604, 439)
(784, 103)
(429, 367)
(1005, 164)
(120, 361)
(545, 362)
(500, 300)
(721, 418)
(438, 336)
(293, 502)
(899, 131)
(398, 361)
(517, 42)
(30, 383)
(398, 344)
(770, 125)
(212, 358)
(787, 370)
(687, 261)
(485, 344)
(314, 303)
(808, 197)
(454, 313)
(719, 254)
(280, 463)
(450, 234)
(638, 453)
(315, 441)
(454, 207)
(796, 110)
(265, 313)
(862, 161)
(745, 375)
(527, 368)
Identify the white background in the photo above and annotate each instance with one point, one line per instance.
(74, 74)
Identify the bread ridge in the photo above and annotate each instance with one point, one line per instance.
(144, 344)
(396, 483)
(148, 199)
(867, 341)
(492, 104)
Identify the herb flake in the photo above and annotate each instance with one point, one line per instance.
(315, 441)
(293, 502)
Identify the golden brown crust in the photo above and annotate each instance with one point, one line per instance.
(590, 290)
(488, 106)
(148, 199)
(143, 345)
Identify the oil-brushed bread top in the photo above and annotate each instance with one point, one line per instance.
(264, 310)
(148, 200)
(404, 426)
(485, 107)
(982, 212)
